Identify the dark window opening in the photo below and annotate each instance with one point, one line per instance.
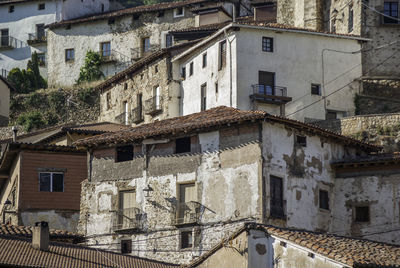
(168, 40)
(126, 246)
(124, 153)
(111, 21)
(276, 195)
(203, 98)
(267, 44)
(183, 74)
(315, 89)
(216, 88)
(391, 11)
(350, 23)
(179, 11)
(126, 86)
(191, 69)
(323, 199)
(222, 54)
(41, 6)
(182, 145)
(331, 115)
(301, 140)
(186, 239)
(51, 182)
(105, 49)
(69, 54)
(362, 214)
(160, 14)
(146, 44)
(204, 60)
(156, 69)
(10, 9)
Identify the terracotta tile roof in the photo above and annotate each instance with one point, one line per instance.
(17, 252)
(6, 2)
(210, 27)
(346, 250)
(212, 118)
(142, 63)
(26, 231)
(128, 11)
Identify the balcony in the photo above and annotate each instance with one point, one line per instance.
(186, 213)
(137, 115)
(109, 56)
(36, 38)
(127, 220)
(138, 53)
(9, 42)
(122, 119)
(270, 94)
(153, 105)
(4, 73)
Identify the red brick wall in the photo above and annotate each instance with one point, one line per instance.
(76, 171)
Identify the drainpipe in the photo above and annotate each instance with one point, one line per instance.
(15, 131)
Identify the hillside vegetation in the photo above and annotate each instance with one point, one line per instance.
(133, 3)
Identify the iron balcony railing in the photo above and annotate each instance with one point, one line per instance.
(35, 38)
(9, 42)
(128, 219)
(139, 52)
(186, 213)
(109, 55)
(266, 93)
(137, 115)
(278, 211)
(154, 105)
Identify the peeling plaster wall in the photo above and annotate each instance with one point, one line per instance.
(60, 220)
(125, 34)
(381, 193)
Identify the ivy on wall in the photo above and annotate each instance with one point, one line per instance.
(90, 71)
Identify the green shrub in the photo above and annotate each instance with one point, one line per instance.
(90, 71)
(51, 118)
(85, 95)
(35, 100)
(31, 120)
(56, 100)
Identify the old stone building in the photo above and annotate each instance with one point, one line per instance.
(144, 92)
(284, 70)
(122, 37)
(377, 20)
(171, 189)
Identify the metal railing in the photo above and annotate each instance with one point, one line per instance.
(4, 73)
(10, 42)
(34, 38)
(137, 115)
(127, 219)
(277, 211)
(153, 105)
(269, 90)
(186, 213)
(121, 118)
(139, 52)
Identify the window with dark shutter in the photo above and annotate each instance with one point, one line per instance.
(203, 97)
(391, 12)
(362, 214)
(186, 239)
(323, 199)
(126, 246)
(51, 182)
(350, 22)
(191, 69)
(276, 195)
(267, 44)
(124, 153)
(222, 54)
(182, 145)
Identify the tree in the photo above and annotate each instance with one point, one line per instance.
(90, 71)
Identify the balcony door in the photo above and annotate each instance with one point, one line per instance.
(4, 37)
(157, 94)
(266, 83)
(128, 209)
(187, 193)
(40, 32)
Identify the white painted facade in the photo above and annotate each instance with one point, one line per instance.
(299, 59)
(22, 21)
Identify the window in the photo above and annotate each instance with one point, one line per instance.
(179, 12)
(146, 44)
(204, 60)
(160, 14)
(127, 210)
(216, 87)
(266, 83)
(301, 140)
(102, 7)
(267, 44)
(168, 40)
(182, 145)
(4, 41)
(111, 21)
(41, 59)
(126, 246)
(139, 104)
(40, 32)
(191, 69)
(323, 199)
(203, 97)
(331, 115)
(222, 54)
(186, 239)
(391, 11)
(183, 73)
(69, 54)
(10, 9)
(315, 89)
(41, 6)
(124, 153)
(108, 100)
(51, 182)
(276, 196)
(125, 86)
(156, 69)
(350, 22)
(362, 214)
(186, 196)
(105, 49)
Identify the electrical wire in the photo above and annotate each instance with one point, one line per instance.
(378, 12)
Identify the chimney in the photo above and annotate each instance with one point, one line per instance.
(15, 131)
(40, 236)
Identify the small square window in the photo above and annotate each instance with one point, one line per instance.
(323, 199)
(160, 14)
(183, 73)
(331, 115)
(186, 239)
(51, 182)
(124, 153)
(362, 214)
(11, 9)
(267, 44)
(191, 69)
(183, 145)
(111, 21)
(69, 54)
(204, 60)
(41, 6)
(316, 89)
(126, 246)
(105, 49)
(301, 140)
(179, 12)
